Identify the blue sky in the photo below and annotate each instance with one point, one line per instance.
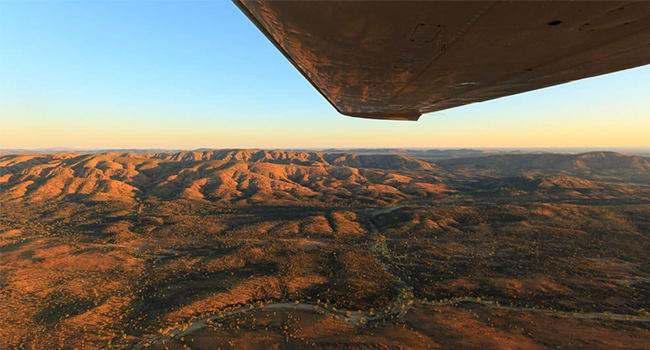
(145, 74)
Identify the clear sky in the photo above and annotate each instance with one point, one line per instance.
(147, 74)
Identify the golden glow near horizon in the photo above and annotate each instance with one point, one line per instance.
(341, 133)
(506, 122)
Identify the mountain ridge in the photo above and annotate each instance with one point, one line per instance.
(593, 165)
(232, 176)
(277, 177)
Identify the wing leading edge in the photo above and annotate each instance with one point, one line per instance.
(398, 60)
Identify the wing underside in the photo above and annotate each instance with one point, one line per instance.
(398, 60)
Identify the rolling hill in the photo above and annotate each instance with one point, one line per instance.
(609, 166)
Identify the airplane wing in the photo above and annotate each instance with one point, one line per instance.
(398, 60)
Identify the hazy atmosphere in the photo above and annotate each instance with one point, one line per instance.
(171, 177)
(184, 75)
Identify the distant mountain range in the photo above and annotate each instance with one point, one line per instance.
(422, 153)
(225, 176)
(244, 177)
(609, 166)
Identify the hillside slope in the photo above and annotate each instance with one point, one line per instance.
(593, 165)
(226, 176)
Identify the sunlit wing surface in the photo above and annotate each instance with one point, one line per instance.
(398, 60)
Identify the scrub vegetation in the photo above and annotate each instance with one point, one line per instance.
(274, 249)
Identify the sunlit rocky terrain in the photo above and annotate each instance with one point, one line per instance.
(238, 249)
